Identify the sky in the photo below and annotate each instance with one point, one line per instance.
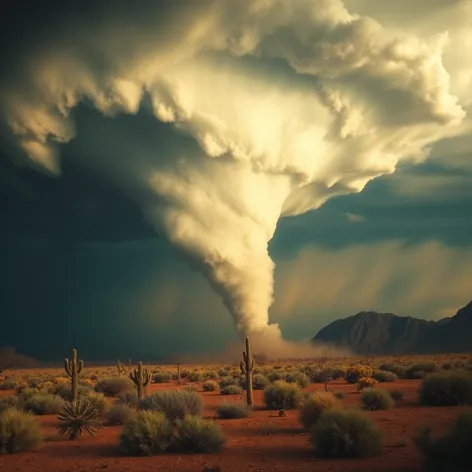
(174, 177)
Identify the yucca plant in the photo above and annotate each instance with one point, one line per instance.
(79, 417)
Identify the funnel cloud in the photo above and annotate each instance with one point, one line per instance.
(275, 107)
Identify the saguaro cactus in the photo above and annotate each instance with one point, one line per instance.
(247, 367)
(119, 367)
(142, 378)
(73, 369)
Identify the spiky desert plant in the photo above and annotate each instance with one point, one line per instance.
(247, 368)
(73, 368)
(142, 378)
(79, 417)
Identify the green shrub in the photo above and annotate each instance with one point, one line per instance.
(229, 380)
(312, 406)
(232, 410)
(194, 376)
(113, 386)
(223, 372)
(8, 384)
(348, 433)
(299, 378)
(420, 369)
(19, 431)
(145, 434)
(27, 393)
(231, 390)
(260, 382)
(397, 369)
(119, 414)
(357, 372)
(174, 404)
(276, 375)
(282, 395)
(374, 400)
(44, 404)
(129, 398)
(384, 376)
(11, 401)
(450, 452)
(195, 434)
(99, 401)
(211, 374)
(446, 388)
(210, 386)
(162, 377)
(191, 387)
(397, 395)
(79, 417)
(65, 392)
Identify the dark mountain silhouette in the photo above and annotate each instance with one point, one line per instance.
(385, 333)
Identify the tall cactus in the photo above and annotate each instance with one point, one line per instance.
(247, 367)
(119, 367)
(73, 369)
(142, 378)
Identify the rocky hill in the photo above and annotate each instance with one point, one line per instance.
(385, 333)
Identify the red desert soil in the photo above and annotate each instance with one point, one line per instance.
(263, 442)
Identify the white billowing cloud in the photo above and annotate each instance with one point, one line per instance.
(290, 102)
(427, 280)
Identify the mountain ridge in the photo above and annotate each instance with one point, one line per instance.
(370, 332)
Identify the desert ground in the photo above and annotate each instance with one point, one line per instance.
(264, 441)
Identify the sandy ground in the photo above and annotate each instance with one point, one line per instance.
(262, 442)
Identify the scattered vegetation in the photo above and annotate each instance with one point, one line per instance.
(366, 382)
(118, 414)
(282, 395)
(446, 388)
(195, 434)
(345, 433)
(374, 400)
(299, 378)
(231, 390)
(174, 404)
(19, 431)
(232, 410)
(147, 433)
(450, 452)
(114, 386)
(79, 417)
(312, 407)
(210, 386)
(356, 372)
(384, 376)
(43, 403)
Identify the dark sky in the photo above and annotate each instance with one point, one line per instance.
(81, 267)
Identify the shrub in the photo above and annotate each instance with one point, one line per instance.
(191, 387)
(174, 404)
(365, 382)
(119, 414)
(232, 410)
(79, 417)
(395, 368)
(374, 400)
(356, 372)
(27, 393)
(10, 402)
(195, 434)
(384, 376)
(276, 375)
(129, 398)
(147, 433)
(99, 401)
(229, 380)
(446, 388)
(44, 404)
(397, 395)
(113, 386)
(340, 395)
(312, 406)
(231, 390)
(194, 376)
(19, 431)
(162, 377)
(420, 369)
(349, 433)
(282, 395)
(210, 386)
(299, 378)
(8, 384)
(211, 374)
(65, 392)
(450, 452)
(259, 382)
